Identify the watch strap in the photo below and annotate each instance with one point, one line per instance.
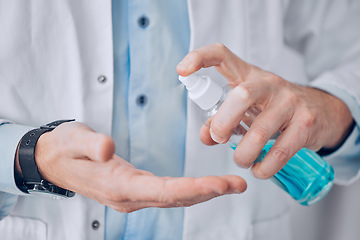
(32, 180)
(27, 155)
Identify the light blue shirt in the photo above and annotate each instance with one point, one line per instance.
(149, 120)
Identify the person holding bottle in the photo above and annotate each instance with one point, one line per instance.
(111, 65)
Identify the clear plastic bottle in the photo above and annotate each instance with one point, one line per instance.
(306, 177)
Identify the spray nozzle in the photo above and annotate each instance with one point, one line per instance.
(202, 90)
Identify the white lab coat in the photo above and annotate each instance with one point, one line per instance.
(52, 53)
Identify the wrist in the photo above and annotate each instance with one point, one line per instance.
(344, 121)
(327, 151)
(39, 155)
(33, 180)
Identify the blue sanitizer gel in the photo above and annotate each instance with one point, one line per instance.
(306, 177)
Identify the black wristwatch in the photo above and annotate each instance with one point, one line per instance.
(32, 182)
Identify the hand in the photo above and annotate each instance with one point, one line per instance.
(75, 157)
(305, 116)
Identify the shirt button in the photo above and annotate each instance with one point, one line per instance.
(143, 21)
(141, 100)
(95, 224)
(102, 79)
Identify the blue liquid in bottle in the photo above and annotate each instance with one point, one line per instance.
(306, 177)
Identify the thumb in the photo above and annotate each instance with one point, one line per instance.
(103, 147)
(93, 145)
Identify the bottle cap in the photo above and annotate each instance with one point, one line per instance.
(202, 90)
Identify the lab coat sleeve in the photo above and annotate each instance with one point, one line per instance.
(10, 135)
(325, 34)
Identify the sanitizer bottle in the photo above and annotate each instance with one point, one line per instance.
(306, 177)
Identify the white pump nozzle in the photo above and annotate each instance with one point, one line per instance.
(202, 90)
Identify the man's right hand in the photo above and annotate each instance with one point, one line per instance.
(74, 157)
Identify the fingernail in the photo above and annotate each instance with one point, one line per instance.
(216, 138)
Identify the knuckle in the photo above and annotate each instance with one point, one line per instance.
(259, 135)
(164, 196)
(280, 154)
(307, 120)
(292, 98)
(243, 92)
(166, 199)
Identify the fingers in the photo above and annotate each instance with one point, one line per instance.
(226, 62)
(285, 147)
(235, 183)
(307, 117)
(182, 191)
(265, 125)
(233, 109)
(295, 136)
(178, 201)
(118, 184)
(127, 189)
